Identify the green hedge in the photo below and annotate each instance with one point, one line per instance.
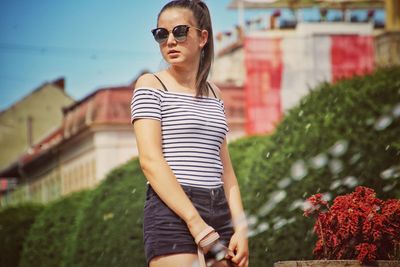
(339, 136)
(15, 223)
(52, 233)
(243, 153)
(110, 229)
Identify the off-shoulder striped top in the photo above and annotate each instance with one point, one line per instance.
(193, 129)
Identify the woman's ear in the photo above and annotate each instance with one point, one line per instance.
(203, 38)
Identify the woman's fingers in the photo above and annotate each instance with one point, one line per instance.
(241, 257)
(243, 262)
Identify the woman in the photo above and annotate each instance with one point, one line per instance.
(193, 202)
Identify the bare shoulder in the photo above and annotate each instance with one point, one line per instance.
(147, 80)
(216, 89)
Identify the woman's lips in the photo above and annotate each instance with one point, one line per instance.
(173, 52)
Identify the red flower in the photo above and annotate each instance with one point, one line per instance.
(313, 205)
(357, 226)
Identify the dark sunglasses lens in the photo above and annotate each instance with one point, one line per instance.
(160, 35)
(180, 32)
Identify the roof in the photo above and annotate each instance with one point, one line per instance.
(58, 83)
(104, 106)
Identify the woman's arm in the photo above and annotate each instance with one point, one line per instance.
(232, 191)
(158, 172)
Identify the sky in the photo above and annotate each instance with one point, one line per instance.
(92, 43)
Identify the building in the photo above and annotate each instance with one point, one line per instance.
(94, 137)
(276, 61)
(28, 120)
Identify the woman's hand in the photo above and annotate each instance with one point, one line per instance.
(240, 246)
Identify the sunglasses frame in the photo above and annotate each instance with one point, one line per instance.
(178, 39)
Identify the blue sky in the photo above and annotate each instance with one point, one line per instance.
(92, 43)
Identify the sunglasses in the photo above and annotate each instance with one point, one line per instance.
(179, 32)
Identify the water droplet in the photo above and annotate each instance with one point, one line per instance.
(308, 126)
(392, 172)
(383, 122)
(268, 154)
(298, 170)
(278, 196)
(355, 158)
(305, 194)
(389, 187)
(133, 191)
(262, 227)
(251, 233)
(174, 247)
(339, 148)
(319, 161)
(335, 184)
(327, 196)
(275, 198)
(285, 182)
(396, 111)
(266, 249)
(252, 220)
(335, 166)
(266, 208)
(280, 223)
(301, 113)
(387, 147)
(298, 203)
(307, 205)
(350, 181)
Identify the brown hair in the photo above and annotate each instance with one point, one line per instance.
(203, 19)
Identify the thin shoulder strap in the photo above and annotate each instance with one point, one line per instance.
(165, 88)
(210, 87)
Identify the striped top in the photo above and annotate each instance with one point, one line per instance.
(193, 130)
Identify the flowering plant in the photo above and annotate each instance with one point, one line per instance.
(357, 226)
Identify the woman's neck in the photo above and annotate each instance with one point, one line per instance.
(185, 76)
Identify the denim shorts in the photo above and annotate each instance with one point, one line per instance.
(164, 232)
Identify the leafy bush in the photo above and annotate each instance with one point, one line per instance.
(243, 153)
(338, 137)
(52, 232)
(110, 228)
(15, 223)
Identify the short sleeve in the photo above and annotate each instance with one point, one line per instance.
(146, 103)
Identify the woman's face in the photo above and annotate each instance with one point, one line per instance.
(186, 52)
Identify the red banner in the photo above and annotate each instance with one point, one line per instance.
(351, 55)
(263, 59)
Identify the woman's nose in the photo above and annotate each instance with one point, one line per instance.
(171, 39)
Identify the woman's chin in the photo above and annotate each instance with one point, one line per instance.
(176, 62)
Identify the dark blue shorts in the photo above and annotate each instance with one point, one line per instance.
(164, 232)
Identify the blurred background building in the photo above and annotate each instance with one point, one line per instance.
(52, 145)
